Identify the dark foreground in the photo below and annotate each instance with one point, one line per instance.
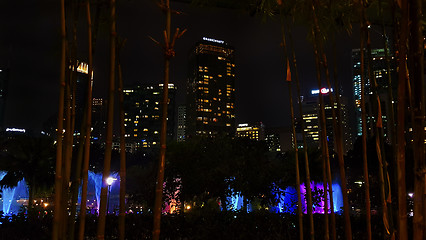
(194, 225)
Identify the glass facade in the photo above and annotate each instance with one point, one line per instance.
(211, 89)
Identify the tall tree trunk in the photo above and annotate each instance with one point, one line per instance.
(296, 157)
(339, 138)
(77, 178)
(364, 125)
(305, 146)
(293, 125)
(380, 153)
(163, 133)
(324, 182)
(390, 113)
(322, 126)
(338, 141)
(57, 217)
(122, 211)
(402, 83)
(318, 51)
(88, 127)
(378, 131)
(110, 120)
(418, 119)
(71, 218)
(67, 149)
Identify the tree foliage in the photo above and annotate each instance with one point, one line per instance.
(29, 158)
(216, 168)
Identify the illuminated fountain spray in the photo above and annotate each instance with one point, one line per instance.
(318, 189)
(94, 191)
(10, 196)
(95, 184)
(288, 202)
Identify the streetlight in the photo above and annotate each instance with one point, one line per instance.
(110, 181)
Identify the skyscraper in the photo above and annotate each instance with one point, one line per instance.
(311, 118)
(252, 131)
(4, 81)
(181, 124)
(380, 73)
(142, 107)
(211, 89)
(99, 118)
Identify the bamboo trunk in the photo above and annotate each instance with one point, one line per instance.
(163, 133)
(338, 141)
(69, 225)
(296, 159)
(67, 153)
(295, 147)
(402, 83)
(339, 135)
(88, 127)
(322, 128)
(305, 146)
(122, 211)
(57, 217)
(391, 126)
(77, 180)
(110, 120)
(418, 118)
(364, 127)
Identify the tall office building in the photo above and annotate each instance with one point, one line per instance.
(181, 124)
(4, 82)
(311, 120)
(211, 89)
(99, 117)
(273, 141)
(380, 73)
(252, 131)
(142, 107)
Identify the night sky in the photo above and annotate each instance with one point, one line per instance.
(30, 47)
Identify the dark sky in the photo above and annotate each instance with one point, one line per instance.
(30, 46)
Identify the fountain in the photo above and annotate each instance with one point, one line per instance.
(13, 198)
(288, 202)
(94, 192)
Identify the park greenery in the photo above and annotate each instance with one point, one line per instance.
(208, 170)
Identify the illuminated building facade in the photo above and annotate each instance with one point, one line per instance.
(252, 131)
(380, 73)
(99, 110)
(142, 107)
(211, 89)
(311, 120)
(181, 124)
(273, 141)
(4, 82)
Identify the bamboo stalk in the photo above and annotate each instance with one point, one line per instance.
(57, 217)
(296, 160)
(88, 127)
(122, 210)
(364, 126)
(110, 121)
(418, 119)
(163, 133)
(305, 146)
(295, 147)
(402, 82)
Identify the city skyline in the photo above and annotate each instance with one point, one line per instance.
(260, 71)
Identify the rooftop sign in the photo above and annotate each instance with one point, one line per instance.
(15, 130)
(213, 40)
(322, 90)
